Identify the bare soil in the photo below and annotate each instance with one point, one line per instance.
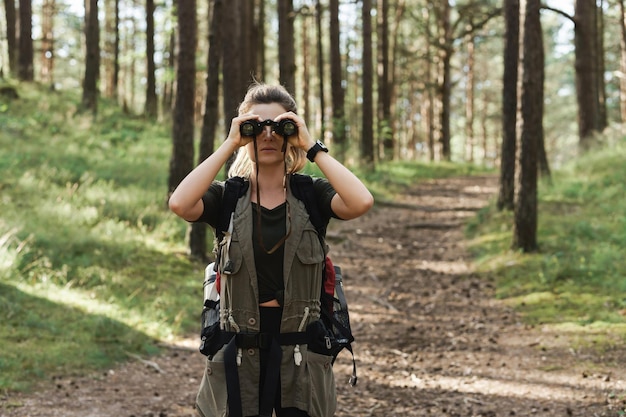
(432, 340)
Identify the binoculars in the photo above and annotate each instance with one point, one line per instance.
(285, 127)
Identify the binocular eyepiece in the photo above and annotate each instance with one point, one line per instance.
(285, 127)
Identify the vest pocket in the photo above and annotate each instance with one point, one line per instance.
(323, 395)
(212, 396)
(310, 249)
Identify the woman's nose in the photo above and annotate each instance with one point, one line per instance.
(267, 132)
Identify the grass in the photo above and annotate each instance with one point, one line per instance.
(578, 277)
(92, 265)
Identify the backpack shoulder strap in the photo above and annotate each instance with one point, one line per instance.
(234, 188)
(302, 189)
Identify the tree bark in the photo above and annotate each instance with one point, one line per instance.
(506, 195)
(470, 87)
(48, 12)
(11, 19)
(181, 162)
(585, 65)
(525, 230)
(286, 45)
(367, 133)
(151, 105)
(197, 235)
(320, 66)
(622, 78)
(336, 82)
(92, 58)
(25, 70)
(385, 127)
(445, 85)
(600, 65)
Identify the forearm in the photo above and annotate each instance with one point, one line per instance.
(353, 198)
(186, 200)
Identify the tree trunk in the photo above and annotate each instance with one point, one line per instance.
(525, 230)
(150, 108)
(601, 88)
(260, 41)
(585, 65)
(622, 78)
(11, 18)
(337, 88)
(286, 45)
(108, 44)
(168, 85)
(92, 58)
(506, 195)
(305, 41)
(385, 127)
(116, 51)
(445, 86)
(25, 70)
(48, 12)
(367, 134)
(181, 162)
(320, 66)
(197, 236)
(470, 87)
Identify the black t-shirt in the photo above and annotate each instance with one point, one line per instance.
(269, 267)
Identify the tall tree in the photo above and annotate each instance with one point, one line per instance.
(320, 65)
(197, 237)
(150, 108)
(470, 88)
(48, 12)
(600, 65)
(25, 71)
(92, 56)
(336, 82)
(181, 162)
(385, 127)
(586, 71)
(506, 194)
(622, 61)
(367, 132)
(445, 81)
(286, 45)
(11, 18)
(525, 230)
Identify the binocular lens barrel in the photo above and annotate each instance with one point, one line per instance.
(286, 127)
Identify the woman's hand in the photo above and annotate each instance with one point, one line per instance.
(303, 139)
(234, 134)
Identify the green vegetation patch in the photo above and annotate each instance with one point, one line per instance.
(578, 276)
(92, 264)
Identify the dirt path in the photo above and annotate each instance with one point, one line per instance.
(431, 339)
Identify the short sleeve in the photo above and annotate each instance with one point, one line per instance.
(324, 193)
(212, 201)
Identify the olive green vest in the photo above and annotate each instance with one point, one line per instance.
(309, 386)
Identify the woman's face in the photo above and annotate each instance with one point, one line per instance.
(269, 144)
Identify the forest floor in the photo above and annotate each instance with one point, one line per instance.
(431, 338)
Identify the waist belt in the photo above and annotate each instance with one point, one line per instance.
(266, 341)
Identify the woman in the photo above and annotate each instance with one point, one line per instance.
(272, 282)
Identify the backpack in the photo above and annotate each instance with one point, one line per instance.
(334, 307)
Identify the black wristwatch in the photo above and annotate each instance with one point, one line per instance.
(319, 146)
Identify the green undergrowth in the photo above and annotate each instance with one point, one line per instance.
(92, 265)
(577, 278)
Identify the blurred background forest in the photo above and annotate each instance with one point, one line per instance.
(98, 97)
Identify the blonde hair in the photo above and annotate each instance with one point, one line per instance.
(259, 93)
